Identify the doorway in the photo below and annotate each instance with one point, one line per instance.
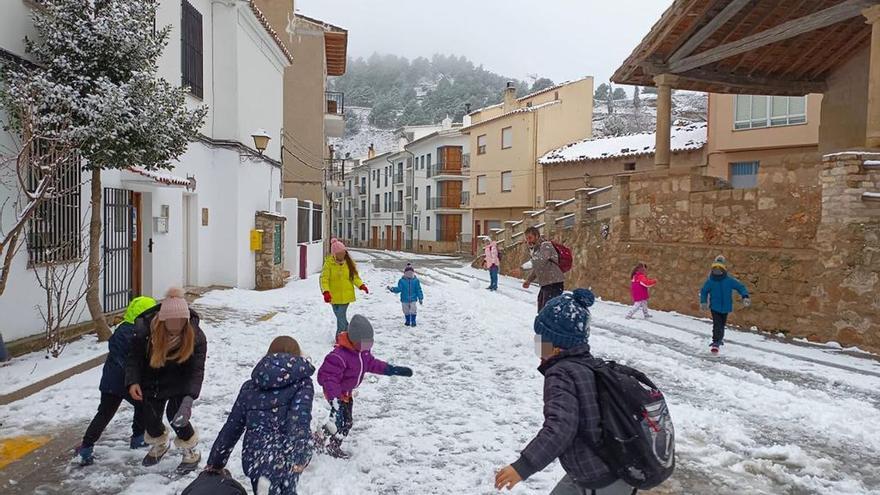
(190, 220)
(399, 237)
(388, 237)
(137, 274)
(374, 239)
(120, 235)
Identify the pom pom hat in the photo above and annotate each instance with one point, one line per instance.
(565, 320)
(174, 306)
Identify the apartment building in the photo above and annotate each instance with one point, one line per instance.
(507, 140)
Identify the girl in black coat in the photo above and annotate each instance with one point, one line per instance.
(165, 370)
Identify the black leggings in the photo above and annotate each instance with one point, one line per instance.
(106, 410)
(719, 322)
(153, 417)
(548, 292)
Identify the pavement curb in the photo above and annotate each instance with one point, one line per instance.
(51, 380)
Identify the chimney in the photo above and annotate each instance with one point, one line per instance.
(509, 97)
(446, 123)
(371, 152)
(467, 108)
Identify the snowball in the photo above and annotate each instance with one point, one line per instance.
(475, 284)
(527, 265)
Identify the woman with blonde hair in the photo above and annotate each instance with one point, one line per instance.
(165, 369)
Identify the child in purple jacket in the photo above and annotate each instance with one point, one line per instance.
(343, 371)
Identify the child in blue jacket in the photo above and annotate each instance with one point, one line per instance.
(717, 295)
(273, 411)
(113, 390)
(410, 290)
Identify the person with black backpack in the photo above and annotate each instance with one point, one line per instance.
(607, 423)
(548, 266)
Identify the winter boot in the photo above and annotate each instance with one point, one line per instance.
(714, 348)
(413, 320)
(191, 455)
(408, 320)
(158, 447)
(334, 448)
(137, 442)
(86, 455)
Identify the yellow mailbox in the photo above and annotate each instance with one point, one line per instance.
(256, 240)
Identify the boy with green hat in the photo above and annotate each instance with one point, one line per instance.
(112, 386)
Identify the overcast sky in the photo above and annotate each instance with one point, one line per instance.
(559, 39)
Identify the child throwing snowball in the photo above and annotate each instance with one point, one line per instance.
(410, 290)
(343, 371)
(717, 296)
(640, 283)
(273, 411)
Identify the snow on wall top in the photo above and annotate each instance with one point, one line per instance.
(533, 108)
(161, 176)
(684, 138)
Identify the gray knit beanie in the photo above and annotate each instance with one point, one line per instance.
(360, 329)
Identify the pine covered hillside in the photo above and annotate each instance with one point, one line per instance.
(616, 114)
(422, 91)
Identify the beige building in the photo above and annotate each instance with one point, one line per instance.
(745, 131)
(595, 162)
(506, 141)
(311, 113)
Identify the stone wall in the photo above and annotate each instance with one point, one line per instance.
(270, 257)
(804, 242)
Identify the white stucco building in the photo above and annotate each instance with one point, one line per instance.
(190, 226)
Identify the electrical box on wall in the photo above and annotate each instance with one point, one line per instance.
(160, 223)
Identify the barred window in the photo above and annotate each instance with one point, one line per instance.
(54, 229)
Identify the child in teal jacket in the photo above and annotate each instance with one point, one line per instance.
(717, 295)
(410, 290)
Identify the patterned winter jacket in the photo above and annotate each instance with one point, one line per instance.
(273, 411)
(344, 368)
(545, 264)
(571, 422)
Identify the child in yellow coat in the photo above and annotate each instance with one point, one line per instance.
(339, 277)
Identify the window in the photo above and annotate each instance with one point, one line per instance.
(363, 232)
(417, 194)
(54, 233)
(506, 138)
(387, 173)
(429, 160)
(492, 224)
(755, 112)
(422, 158)
(629, 167)
(506, 181)
(399, 205)
(481, 184)
(481, 145)
(427, 223)
(744, 175)
(191, 46)
(317, 223)
(428, 197)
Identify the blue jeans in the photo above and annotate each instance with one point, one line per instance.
(340, 311)
(493, 277)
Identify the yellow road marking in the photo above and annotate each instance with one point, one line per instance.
(13, 449)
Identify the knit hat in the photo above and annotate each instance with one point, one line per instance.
(720, 263)
(565, 320)
(336, 246)
(409, 268)
(174, 306)
(137, 306)
(360, 329)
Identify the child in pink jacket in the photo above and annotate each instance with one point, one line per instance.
(640, 283)
(343, 371)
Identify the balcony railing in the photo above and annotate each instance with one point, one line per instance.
(465, 198)
(359, 213)
(454, 201)
(398, 178)
(398, 206)
(377, 208)
(440, 169)
(335, 103)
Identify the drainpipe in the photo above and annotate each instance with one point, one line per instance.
(388, 159)
(413, 200)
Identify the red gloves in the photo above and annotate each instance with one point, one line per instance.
(364, 288)
(327, 297)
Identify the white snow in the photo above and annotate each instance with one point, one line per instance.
(873, 196)
(765, 417)
(161, 176)
(690, 137)
(31, 368)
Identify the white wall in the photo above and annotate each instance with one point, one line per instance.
(314, 250)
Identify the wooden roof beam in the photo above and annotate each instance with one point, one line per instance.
(709, 29)
(796, 27)
(759, 85)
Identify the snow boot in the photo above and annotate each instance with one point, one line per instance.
(158, 447)
(714, 348)
(191, 456)
(86, 455)
(408, 320)
(137, 442)
(412, 320)
(334, 449)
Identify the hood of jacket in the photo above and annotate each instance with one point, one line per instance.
(343, 340)
(281, 370)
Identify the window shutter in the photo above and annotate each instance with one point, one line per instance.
(192, 50)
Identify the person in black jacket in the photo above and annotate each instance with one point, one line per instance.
(113, 390)
(165, 370)
(571, 411)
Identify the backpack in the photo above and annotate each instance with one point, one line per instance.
(638, 438)
(565, 257)
(209, 483)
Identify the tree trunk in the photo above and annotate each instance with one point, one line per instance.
(93, 296)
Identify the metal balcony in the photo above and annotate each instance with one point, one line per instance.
(334, 114)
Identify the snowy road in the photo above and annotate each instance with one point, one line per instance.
(764, 418)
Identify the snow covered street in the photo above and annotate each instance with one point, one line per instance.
(766, 417)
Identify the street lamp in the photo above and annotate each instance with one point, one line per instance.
(261, 140)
